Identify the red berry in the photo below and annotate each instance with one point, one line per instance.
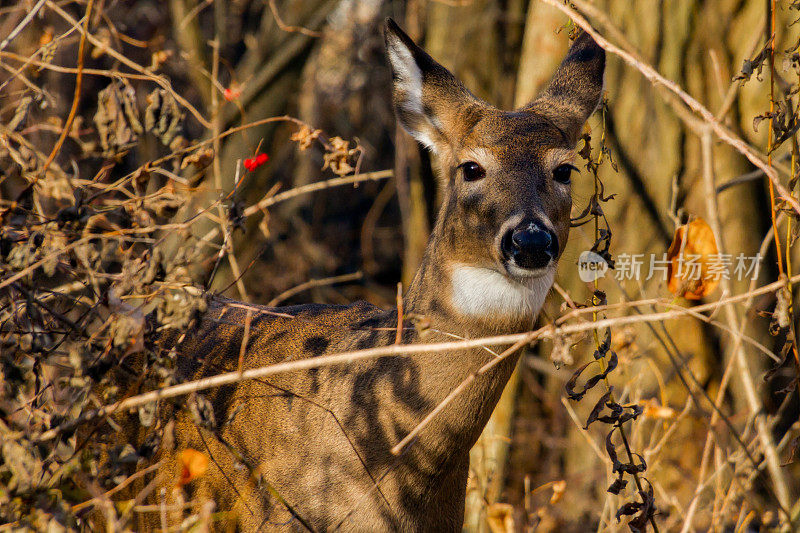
(232, 93)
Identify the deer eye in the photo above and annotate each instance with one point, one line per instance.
(472, 171)
(562, 173)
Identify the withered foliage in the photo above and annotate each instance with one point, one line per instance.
(784, 123)
(106, 249)
(89, 284)
(604, 360)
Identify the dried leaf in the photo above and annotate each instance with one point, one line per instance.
(633, 414)
(604, 346)
(560, 354)
(647, 510)
(20, 114)
(601, 403)
(694, 268)
(652, 409)
(199, 158)
(628, 509)
(617, 486)
(500, 517)
(337, 157)
(591, 382)
(559, 487)
(162, 116)
(755, 65)
(305, 137)
(117, 116)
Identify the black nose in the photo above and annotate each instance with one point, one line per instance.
(531, 245)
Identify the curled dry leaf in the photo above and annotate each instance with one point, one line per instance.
(337, 157)
(500, 517)
(163, 117)
(305, 137)
(559, 487)
(158, 58)
(694, 262)
(560, 354)
(199, 158)
(117, 117)
(193, 465)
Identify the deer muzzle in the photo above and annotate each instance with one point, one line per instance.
(530, 245)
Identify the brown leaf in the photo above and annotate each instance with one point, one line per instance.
(337, 157)
(598, 407)
(163, 117)
(617, 486)
(694, 268)
(305, 137)
(117, 117)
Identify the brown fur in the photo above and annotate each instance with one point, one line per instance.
(313, 447)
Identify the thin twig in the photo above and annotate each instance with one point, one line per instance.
(382, 351)
(76, 98)
(288, 28)
(314, 187)
(24, 22)
(751, 396)
(344, 278)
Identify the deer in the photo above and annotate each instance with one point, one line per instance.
(311, 450)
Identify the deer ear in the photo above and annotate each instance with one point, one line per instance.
(577, 87)
(426, 96)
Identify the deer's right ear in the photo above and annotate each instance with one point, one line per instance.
(426, 95)
(577, 87)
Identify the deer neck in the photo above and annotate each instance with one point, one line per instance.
(461, 301)
(472, 301)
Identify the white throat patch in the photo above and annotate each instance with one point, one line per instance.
(481, 291)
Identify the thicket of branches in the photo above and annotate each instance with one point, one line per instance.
(150, 157)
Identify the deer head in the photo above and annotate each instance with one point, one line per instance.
(505, 215)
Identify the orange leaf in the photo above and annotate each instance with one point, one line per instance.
(694, 266)
(558, 491)
(193, 465)
(652, 409)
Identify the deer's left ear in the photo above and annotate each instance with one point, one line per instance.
(427, 97)
(577, 87)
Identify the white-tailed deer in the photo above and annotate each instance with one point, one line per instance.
(312, 449)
